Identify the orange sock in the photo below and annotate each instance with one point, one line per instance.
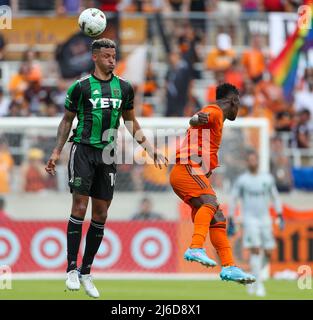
(202, 222)
(221, 243)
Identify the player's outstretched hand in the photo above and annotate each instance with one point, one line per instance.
(158, 158)
(50, 166)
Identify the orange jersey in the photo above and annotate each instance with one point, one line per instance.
(201, 143)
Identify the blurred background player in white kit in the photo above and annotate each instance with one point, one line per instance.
(256, 190)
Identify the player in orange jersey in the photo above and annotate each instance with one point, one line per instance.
(195, 160)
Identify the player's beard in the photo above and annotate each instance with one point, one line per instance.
(106, 69)
(233, 113)
(109, 69)
(232, 116)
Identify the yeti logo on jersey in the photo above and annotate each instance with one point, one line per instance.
(104, 103)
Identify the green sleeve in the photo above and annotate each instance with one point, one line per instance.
(72, 97)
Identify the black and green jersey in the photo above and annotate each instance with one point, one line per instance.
(99, 105)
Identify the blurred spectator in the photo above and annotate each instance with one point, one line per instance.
(196, 5)
(6, 166)
(107, 5)
(231, 154)
(113, 23)
(280, 166)
(283, 121)
(35, 97)
(34, 73)
(178, 80)
(302, 131)
(249, 6)
(74, 56)
(153, 179)
(19, 83)
(3, 215)
(234, 75)
(4, 104)
(304, 97)
(15, 110)
(221, 57)
(292, 5)
(198, 24)
(188, 40)
(57, 94)
(306, 79)
(211, 90)
(145, 211)
(28, 78)
(174, 5)
(247, 98)
(229, 9)
(272, 5)
(270, 95)
(34, 177)
(14, 140)
(51, 110)
(148, 6)
(68, 7)
(253, 60)
(193, 105)
(2, 47)
(47, 5)
(149, 89)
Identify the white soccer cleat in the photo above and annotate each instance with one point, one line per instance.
(260, 291)
(90, 289)
(72, 281)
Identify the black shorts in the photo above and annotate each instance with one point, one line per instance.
(88, 174)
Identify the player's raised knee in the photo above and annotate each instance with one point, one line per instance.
(218, 217)
(205, 200)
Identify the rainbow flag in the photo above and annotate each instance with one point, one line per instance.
(284, 67)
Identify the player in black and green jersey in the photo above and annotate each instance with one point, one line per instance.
(98, 100)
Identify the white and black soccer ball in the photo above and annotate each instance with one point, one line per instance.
(92, 22)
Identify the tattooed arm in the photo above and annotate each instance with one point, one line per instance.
(62, 135)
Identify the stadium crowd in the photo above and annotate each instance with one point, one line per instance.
(26, 94)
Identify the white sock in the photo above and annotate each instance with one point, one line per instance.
(256, 267)
(265, 268)
(265, 260)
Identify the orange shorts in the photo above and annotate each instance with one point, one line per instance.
(188, 185)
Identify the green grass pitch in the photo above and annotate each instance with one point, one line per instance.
(153, 290)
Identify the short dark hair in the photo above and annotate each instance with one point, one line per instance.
(225, 89)
(305, 112)
(102, 43)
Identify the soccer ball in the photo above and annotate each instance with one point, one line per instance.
(92, 22)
